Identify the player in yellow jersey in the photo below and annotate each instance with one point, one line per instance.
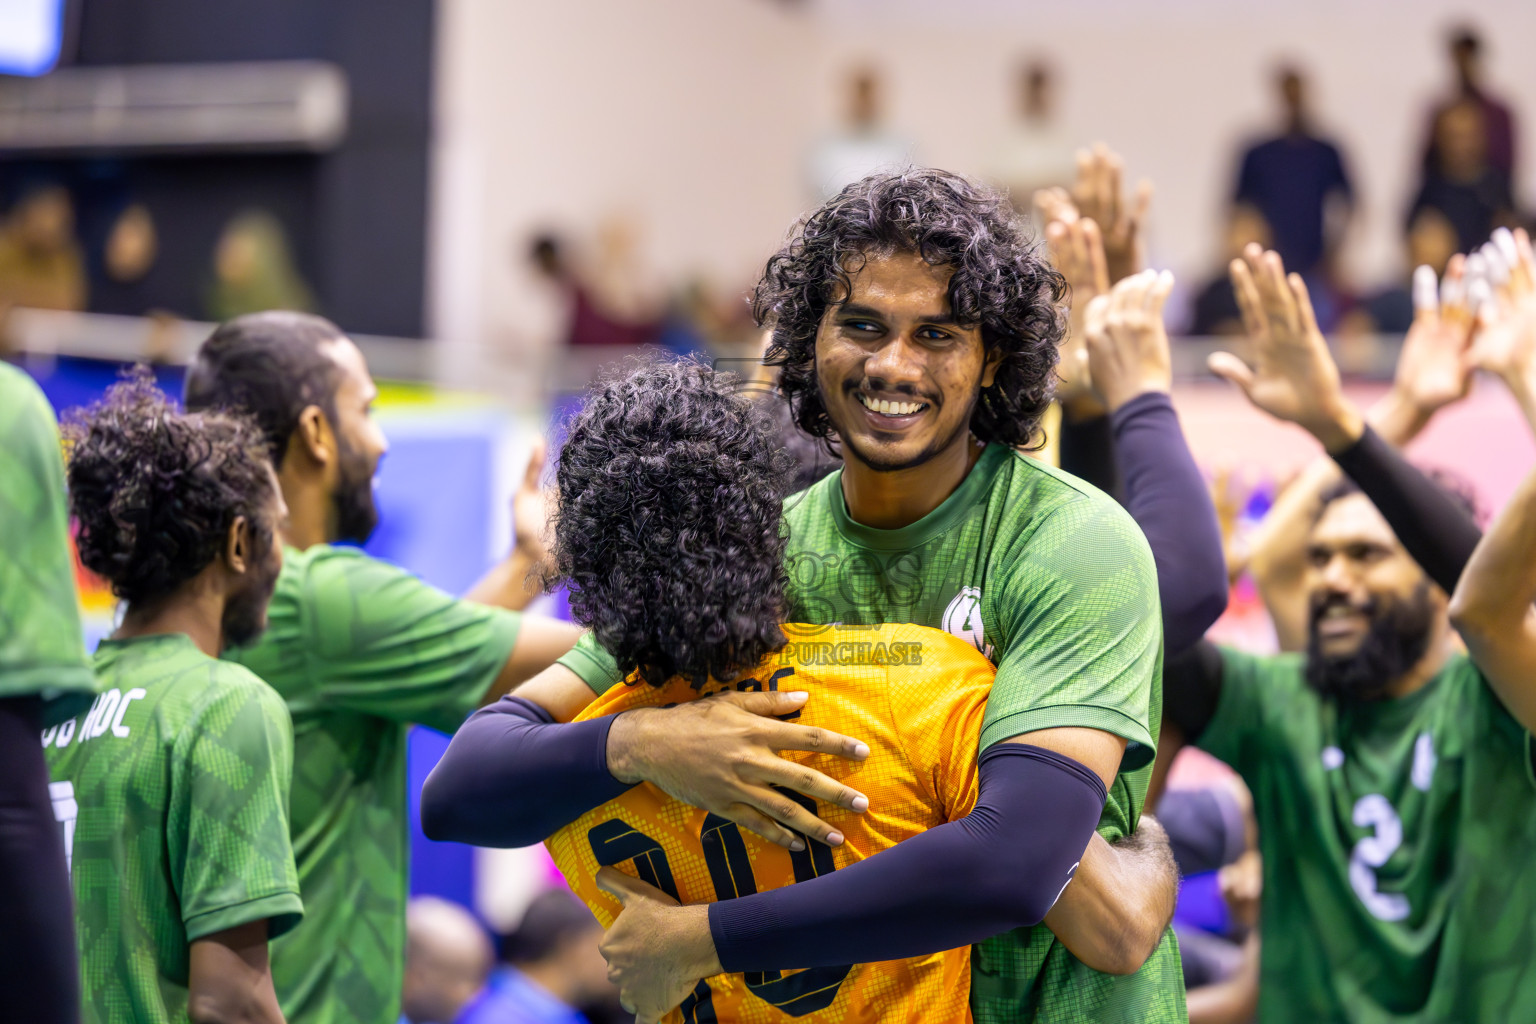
(917, 696)
(669, 536)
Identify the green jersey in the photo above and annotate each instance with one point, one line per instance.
(1054, 583)
(1398, 881)
(172, 791)
(41, 650)
(360, 649)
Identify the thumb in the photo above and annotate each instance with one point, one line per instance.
(535, 470)
(1230, 368)
(628, 889)
(770, 704)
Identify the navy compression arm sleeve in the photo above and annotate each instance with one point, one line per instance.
(1168, 498)
(1435, 531)
(512, 776)
(1002, 866)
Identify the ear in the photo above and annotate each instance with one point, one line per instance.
(237, 545)
(313, 438)
(989, 368)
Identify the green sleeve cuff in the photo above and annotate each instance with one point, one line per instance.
(281, 910)
(1139, 750)
(592, 664)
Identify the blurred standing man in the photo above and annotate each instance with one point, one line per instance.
(864, 145)
(43, 674)
(360, 649)
(1037, 153)
(447, 961)
(172, 790)
(1297, 181)
(1498, 123)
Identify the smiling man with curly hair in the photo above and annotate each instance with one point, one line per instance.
(916, 325)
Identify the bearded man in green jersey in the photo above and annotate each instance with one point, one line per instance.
(44, 676)
(359, 649)
(1391, 773)
(172, 789)
(917, 325)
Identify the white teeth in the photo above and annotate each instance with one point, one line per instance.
(888, 408)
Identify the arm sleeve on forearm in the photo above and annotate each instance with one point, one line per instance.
(1169, 499)
(1432, 527)
(512, 776)
(1192, 689)
(1002, 866)
(1087, 451)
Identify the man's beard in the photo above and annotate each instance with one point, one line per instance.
(356, 515)
(245, 613)
(939, 444)
(1396, 640)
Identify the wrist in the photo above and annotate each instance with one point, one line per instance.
(1340, 426)
(698, 945)
(626, 744)
(1397, 419)
(1117, 398)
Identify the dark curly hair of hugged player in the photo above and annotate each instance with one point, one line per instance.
(156, 491)
(1002, 283)
(668, 530)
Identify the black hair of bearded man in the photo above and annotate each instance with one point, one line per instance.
(156, 491)
(1455, 486)
(270, 366)
(1003, 282)
(668, 530)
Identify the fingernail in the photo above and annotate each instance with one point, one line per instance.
(860, 750)
(797, 695)
(860, 804)
(834, 839)
(797, 846)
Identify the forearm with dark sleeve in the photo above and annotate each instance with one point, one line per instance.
(512, 776)
(1192, 689)
(1169, 499)
(1087, 451)
(1000, 867)
(1432, 527)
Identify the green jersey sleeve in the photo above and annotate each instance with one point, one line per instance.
(383, 642)
(227, 834)
(42, 650)
(594, 665)
(1249, 684)
(1081, 631)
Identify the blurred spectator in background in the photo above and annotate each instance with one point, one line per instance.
(1215, 307)
(1466, 53)
(1037, 153)
(447, 961)
(863, 147)
(552, 967)
(1460, 180)
(253, 270)
(131, 246)
(40, 263)
(1431, 242)
(605, 308)
(1298, 183)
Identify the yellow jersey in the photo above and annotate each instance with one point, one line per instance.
(916, 696)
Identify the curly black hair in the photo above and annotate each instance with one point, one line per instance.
(668, 530)
(155, 491)
(1002, 283)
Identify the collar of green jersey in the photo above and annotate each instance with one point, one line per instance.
(976, 483)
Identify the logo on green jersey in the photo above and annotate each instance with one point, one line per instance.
(963, 619)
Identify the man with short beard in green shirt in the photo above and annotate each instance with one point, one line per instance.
(360, 650)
